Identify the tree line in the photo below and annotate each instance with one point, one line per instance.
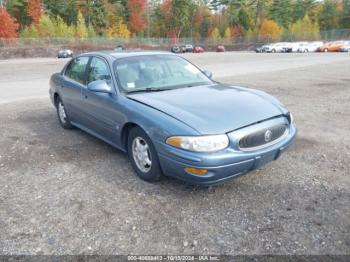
(215, 19)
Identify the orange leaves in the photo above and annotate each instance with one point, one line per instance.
(270, 30)
(8, 26)
(137, 20)
(35, 10)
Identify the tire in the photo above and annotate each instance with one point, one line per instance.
(306, 51)
(143, 158)
(273, 51)
(326, 50)
(62, 114)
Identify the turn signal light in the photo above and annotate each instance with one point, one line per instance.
(196, 171)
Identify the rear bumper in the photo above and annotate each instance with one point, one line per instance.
(221, 166)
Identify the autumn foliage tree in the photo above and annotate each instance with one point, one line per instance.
(270, 30)
(137, 21)
(8, 27)
(34, 10)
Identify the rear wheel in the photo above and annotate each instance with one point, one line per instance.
(273, 51)
(62, 114)
(306, 51)
(143, 155)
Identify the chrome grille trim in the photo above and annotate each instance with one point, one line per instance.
(236, 135)
(248, 149)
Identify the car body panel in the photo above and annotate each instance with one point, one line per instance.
(331, 47)
(196, 107)
(310, 47)
(220, 48)
(344, 49)
(185, 111)
(198, 49)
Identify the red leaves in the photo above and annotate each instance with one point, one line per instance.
(8, 26)
(34, 10)
(137, 21)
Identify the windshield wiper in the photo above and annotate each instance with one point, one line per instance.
(148, 89)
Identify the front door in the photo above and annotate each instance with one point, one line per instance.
(101, 108)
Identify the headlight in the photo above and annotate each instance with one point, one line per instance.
(210, 143)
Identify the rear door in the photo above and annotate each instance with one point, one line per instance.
(74, 80)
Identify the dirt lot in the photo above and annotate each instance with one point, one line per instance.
(65, 192)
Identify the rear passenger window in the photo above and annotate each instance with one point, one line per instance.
(76, 69)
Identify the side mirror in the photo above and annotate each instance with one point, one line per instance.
(208, 73)
(99, 86)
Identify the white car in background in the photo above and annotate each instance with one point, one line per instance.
(276, 47)
(310, 47)
(293, 47)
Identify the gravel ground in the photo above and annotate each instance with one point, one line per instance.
(65, 192)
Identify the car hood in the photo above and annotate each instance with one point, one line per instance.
(213, 109)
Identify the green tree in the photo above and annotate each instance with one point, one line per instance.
(215, 34)
(182, 12)
(98, 18)
(81, 30)
(17, 9)
(328, 18)
(281, 11)
(244, 18)
(345, 14)
(302, 8)
(157, 26)
(29, 32)
(67, 10)
(305, 29)
(62, 29)
(205, 26)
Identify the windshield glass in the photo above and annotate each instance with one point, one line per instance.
(157, 72)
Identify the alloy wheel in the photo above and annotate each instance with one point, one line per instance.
(141, 154)
(62, 112)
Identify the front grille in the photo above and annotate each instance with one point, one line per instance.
(263, 137)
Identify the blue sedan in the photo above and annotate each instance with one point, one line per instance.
(170, 117)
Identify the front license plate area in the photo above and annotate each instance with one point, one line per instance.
(264, 159)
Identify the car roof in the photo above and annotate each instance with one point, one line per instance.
(112, 54)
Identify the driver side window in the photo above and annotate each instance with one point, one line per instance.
(99, 70)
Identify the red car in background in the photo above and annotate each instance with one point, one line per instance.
(220, 48)
(198, 49)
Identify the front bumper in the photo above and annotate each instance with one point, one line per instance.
(222, 166)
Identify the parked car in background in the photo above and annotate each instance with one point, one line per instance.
(331, 47)
(261, 49)
(198, 49)
(187, 48)
(276, 47)
(176, 49)
(159, 109)
(64, 53)
(310, 46)
(345, 48)
(292, 47)
(120, 47)
(220, 48)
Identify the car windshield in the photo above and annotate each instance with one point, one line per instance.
(156, 73)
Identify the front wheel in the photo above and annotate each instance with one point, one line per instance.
(62, 115)
(143, 156)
